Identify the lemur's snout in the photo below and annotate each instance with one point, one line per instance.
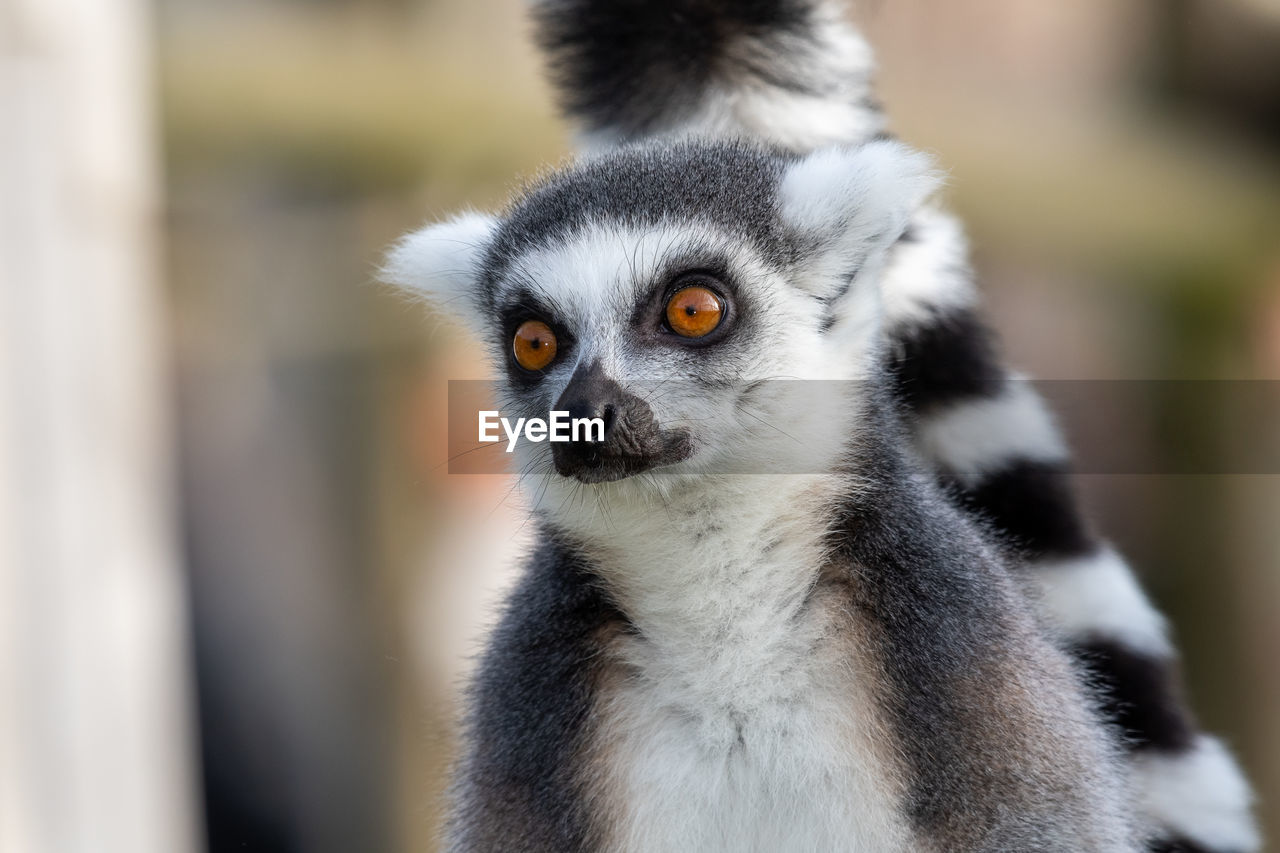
(591, 394)
(633, 440)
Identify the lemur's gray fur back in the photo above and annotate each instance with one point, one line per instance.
(793, 73)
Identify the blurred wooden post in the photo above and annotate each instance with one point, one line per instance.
(94, 732)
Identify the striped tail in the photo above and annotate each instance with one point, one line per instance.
(991, 439)
(789, 71)
(795, 74)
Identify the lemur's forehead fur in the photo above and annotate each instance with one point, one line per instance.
(821, 221)
(731, 187)
(595, 248)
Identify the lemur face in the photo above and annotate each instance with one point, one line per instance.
(671, 290)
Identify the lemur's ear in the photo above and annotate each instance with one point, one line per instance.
(441, 263)
(850, 205)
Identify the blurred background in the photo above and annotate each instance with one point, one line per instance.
(238, 588)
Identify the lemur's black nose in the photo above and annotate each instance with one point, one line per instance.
(590, 394)
(606, 411)
(632, 442)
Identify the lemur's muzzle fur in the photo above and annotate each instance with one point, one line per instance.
(633, 440)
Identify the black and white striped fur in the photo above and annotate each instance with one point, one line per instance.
(701, 657)
(793, 73)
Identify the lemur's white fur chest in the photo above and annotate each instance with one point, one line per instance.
(741, 717)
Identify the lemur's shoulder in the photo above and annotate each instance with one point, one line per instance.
(950, 629)
(529, 710)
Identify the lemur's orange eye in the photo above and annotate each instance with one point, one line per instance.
(534, 345)
(693, 312)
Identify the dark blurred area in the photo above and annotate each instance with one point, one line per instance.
(1117, 165)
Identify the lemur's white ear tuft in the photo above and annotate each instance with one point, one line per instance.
(853, 204)
(442, 262)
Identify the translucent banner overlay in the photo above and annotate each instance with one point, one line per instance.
(1143, 427)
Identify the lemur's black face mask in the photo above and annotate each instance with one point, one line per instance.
(633, 440)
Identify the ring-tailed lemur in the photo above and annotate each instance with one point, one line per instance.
(793, 73)
(708, 659)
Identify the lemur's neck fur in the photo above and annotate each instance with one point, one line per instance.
(732, 717)
(714, 551)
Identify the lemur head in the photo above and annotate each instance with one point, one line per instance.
(660, 287)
